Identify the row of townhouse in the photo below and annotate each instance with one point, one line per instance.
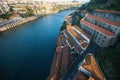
(103, 31)
(76, 38)
(62, 59)
(111, 15)
(112, 26)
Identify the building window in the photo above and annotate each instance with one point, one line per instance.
(103, 41)
(109, 27)
(98, 41)
(105, 37)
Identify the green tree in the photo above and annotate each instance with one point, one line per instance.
(29, 11)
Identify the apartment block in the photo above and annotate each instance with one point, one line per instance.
(102, 25)
(76, 38)
(101, 36)
(4, 7)
(110, 25)
(111, 15)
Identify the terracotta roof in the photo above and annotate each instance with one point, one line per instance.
(72, 42)
(61, 40)
(80, 39)
(13, 16)
(66, 60)
(91, 65)
(107, 11)
(55, 69)
(68, 18)
(91, 78)
(80, 76)
(104, 20)
(88, 36)
(58, 59)
(59, 50)
(84, 44)
(106, 32)
(66, 55)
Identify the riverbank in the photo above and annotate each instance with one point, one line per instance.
(76, 41)
(23, 21)
(16, 24)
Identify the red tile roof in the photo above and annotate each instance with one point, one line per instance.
(68, 18)
(91, 65)
(77, 36)
(13, 16)
(104, 20)
(108, 11)
(55, 69)
(66, 60)
(80, 39)
(84, 44)
(78, 28)
(61, 40)
(106, 32)
(80, 76)
(72, 42)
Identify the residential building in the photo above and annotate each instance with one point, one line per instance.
(4, 7)
(62, 59)
(104, 31)
(89, 69)
(76, 38)
(68, 19)
(101, 36)
(111, 15)
(110, 25)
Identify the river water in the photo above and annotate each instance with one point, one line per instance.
(26, 52)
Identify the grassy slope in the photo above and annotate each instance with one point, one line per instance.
(109, 60)
(115, 7)
(108, 57)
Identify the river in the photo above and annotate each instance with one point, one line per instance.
(26, 52)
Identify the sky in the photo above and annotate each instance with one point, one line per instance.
(67, 0)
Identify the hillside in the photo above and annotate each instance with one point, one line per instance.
(106, 4)
(108, 57)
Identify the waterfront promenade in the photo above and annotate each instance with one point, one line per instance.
(17, 23)
(10, 25)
